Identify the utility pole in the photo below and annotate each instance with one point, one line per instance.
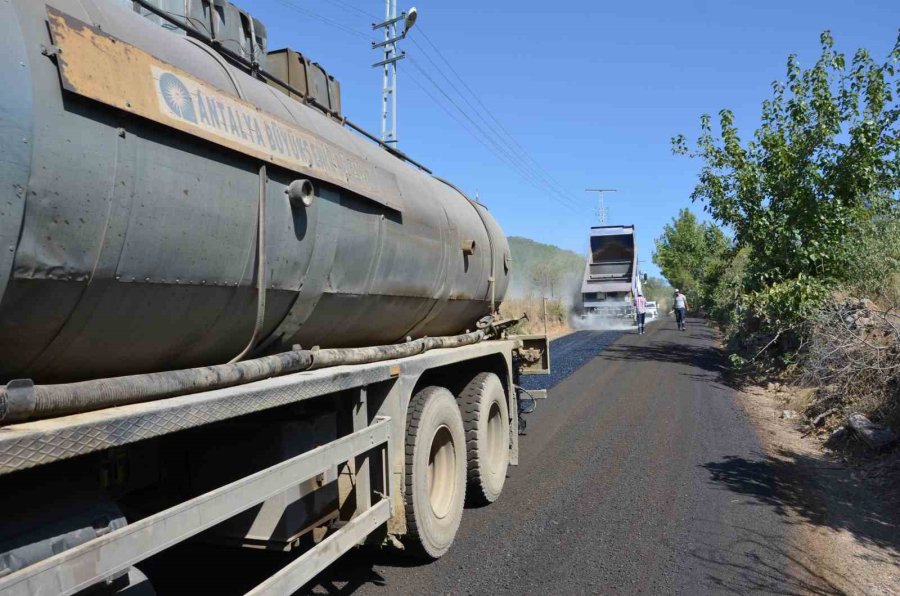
(389, 64)
(601, 204)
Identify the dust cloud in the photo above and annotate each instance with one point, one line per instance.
(598, 322)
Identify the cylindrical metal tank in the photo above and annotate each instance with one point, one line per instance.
(128, 246)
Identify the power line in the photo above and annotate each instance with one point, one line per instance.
(475, 135)
(514, 147)
(465, 114)
(322, 18)
(512, 156)
(490, 143)
(474, 95)
(365, 13)
(474, 110)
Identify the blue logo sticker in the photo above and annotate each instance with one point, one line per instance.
(177, 97)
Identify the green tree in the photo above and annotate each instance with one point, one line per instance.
(659, 291)
(823, 164)
(688, 252)
(727, 303)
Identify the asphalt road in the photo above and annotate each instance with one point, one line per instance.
(617, 489)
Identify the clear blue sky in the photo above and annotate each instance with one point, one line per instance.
(593, 90)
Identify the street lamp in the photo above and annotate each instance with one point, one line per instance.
(391, 57)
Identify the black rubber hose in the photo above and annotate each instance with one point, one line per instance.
(21, 400)
(44, 401)
(327, 358)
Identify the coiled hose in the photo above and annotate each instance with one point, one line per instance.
(21, 400)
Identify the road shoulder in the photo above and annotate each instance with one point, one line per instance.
(848, 533)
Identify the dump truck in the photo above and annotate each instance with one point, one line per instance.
(611, 274)
(228, 314)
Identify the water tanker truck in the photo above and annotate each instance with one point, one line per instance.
(228, 314)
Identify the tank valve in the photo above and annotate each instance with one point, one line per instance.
(300, 192)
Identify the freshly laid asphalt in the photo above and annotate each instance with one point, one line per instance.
(617, 489)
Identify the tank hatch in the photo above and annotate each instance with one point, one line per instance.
(234, 28)
(299, 72)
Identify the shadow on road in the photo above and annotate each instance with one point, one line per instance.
(806, 490)
(703, 357)
(356, 569)
(675, 347)
(753, 563)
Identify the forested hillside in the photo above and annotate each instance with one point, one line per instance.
(544, 270)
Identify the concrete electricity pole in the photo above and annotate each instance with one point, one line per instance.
(601, 204)
(391, 57)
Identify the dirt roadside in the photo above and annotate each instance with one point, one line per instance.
(845, 513)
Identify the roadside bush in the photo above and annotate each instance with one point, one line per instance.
(853, 345)
(875, 268)
(784, 306)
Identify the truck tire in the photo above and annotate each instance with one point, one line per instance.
(435, 472)
(486, 420)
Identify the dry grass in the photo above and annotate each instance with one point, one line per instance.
(557, 315)
(801, 398)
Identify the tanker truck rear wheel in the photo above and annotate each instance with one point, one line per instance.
(435, 472)
(486, 420)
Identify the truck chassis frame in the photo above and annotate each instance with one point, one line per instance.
(380, 394)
